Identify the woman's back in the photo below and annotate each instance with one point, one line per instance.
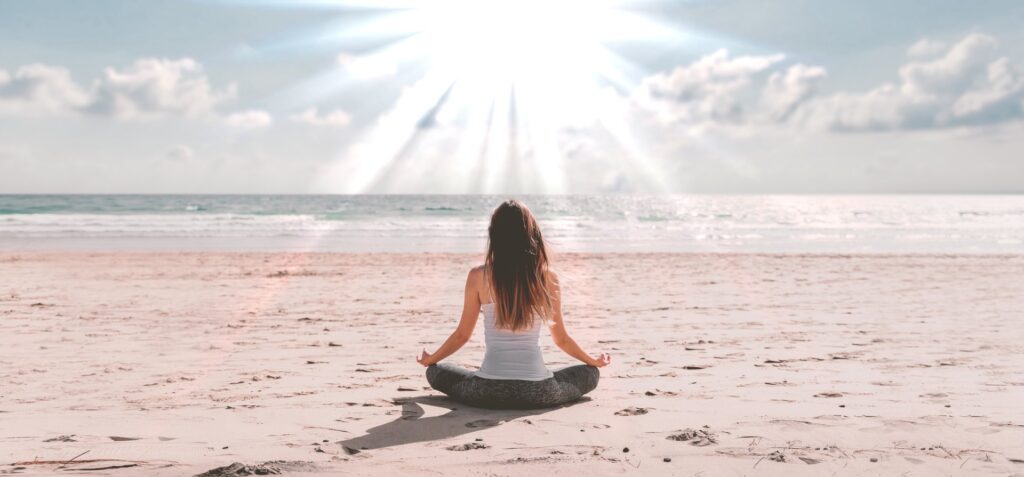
(511, 354)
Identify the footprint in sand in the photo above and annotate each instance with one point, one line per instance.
(61, 439)
(829, 395)
(777, 456)
(482, 423)
(122, 439)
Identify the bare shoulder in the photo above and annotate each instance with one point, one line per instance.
(475, 285)
(476, 276)
(551, 277)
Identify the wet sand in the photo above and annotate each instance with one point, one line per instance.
(168, 364)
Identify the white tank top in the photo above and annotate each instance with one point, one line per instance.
(511, 355)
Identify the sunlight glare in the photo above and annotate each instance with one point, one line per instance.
(507, 77)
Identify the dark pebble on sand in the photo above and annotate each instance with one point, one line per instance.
(479, 439)
(667, 459)
(325, 440)
(874, 459)
(842, 405)
(625, 449)
(947, 405)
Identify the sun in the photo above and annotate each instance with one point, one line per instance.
(548, 54)
(515, 38)
(492, 85)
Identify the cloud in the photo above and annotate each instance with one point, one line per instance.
(787, 91)
(181, 152)
(148, 88)
(711, 89)
(925, 48)
(967, 85)
(153, 87)
(312, 117)
(939, 86)
(40, 89)
(252, 119)
(367, 67)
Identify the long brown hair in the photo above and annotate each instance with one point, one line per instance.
(517, 262)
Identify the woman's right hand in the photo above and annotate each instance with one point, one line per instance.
(424, 358)
(604, 359)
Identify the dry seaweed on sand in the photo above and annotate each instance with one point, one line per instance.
(633, 411)
(700, 437)
(277, 467)
(240, 469)
(468, 446)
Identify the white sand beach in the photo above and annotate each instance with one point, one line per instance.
(168, 364)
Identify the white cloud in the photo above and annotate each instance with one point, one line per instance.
(251, 119)
(787, 91)
(312, 117)
(968, 85)
(926, 48)
(181, 152)
(367, 67)
(965, 84)
(157, 87)
(149, 88)
(711, 89)
(38, 88)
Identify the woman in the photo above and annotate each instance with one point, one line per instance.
(516, 291)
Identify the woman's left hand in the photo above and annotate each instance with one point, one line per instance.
(424, 358)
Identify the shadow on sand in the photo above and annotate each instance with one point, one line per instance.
(459, 420)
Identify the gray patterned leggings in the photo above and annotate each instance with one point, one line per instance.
(567, 384)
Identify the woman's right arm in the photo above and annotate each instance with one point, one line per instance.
(462, 333)
(558, 333)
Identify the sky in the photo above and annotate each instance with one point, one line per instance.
(496, 96)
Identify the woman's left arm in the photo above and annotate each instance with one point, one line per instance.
(462, 333)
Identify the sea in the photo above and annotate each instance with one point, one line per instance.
(987, 224)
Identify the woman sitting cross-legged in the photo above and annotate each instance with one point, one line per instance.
(516, 291)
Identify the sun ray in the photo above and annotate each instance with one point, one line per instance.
(487, 90)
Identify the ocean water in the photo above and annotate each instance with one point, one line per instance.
(458, 223)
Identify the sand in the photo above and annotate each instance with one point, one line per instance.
(183, 363)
